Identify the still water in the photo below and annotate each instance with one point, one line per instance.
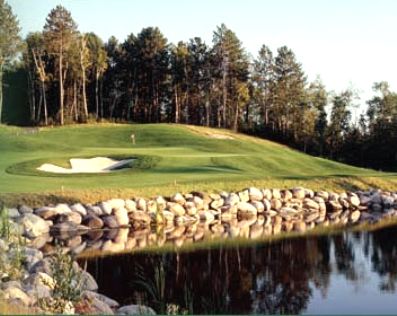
(351, 272)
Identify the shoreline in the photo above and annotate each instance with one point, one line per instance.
(181, 222)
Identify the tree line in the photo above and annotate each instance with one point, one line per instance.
(75, 77)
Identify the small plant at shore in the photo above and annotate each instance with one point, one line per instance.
(67, 287)
(4, 223)
(67, 279)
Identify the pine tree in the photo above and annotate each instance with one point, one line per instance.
(59, 32)
(9, 42)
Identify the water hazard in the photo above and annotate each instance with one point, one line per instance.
(349, 272)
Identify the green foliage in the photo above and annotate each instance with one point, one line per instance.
(67, 278)
(4, 223)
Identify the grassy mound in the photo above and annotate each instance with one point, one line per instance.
(170, 157)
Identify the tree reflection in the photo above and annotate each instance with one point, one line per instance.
(273, 278)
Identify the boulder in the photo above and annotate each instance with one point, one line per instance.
(300, 226)
(40, 279)
(130, 205)
(246, 207)
(106, 208)
(62, 208)
(71, 217)
(135, 310)
(33, 225)
(25, 209)
(232, 199)
(15, 293)
(310, 204)
(64, 227)
(178, 198)
(376, 207)
(151, 207)
(206, 216)
(311, 217)
(276, 204)
(255, 194)
(354, 216)
(276, 194)
(216, 204)
(93, 222)
(256, 231)
(387, 201)
(95, 306)
(267, 205)
(176, 208)
(286, 195)
(121, 216)
(95, 210)
(88, 283)
(141, 204)
(267, 194)
(199, 202)
(259, 206)
(333, 206)
(244, 196)
(354, 200)
(46, 212)
(168, 216)
(140, 216)
(299, 193)
(116, 203)
(110, 221)
(191, 208)
(79, 208)
(13, 213)
(161, 203)
(31, 257)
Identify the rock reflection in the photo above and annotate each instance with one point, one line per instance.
(274, 278)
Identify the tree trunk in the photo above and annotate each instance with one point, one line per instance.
(224, 97)
(61, 85)
(96, 95)
(207, 112)
(1, 91)
(44, 102)
(76, 117)
(176, 105)
(235, 124)
(101, 95)
(32, 98)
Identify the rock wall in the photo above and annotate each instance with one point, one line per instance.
(274, 210)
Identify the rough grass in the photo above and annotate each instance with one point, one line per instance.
(176, 158)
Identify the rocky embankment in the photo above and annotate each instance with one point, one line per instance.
(120, 225)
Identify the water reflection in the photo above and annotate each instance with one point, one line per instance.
(348, 272)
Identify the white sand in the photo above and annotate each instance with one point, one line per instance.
(91, 165)
(220, 136)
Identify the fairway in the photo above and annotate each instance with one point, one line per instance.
(182, 155)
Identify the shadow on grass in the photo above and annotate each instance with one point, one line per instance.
(36, 199)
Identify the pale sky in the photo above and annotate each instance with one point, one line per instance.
(349, 43)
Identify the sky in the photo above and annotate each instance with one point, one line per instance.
(348, 43)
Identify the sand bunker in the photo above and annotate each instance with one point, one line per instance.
(220, 136)
(90, 165)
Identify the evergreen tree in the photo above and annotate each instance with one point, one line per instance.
(59, 33)
(9, 42)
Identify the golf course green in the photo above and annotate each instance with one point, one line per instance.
(169, 157)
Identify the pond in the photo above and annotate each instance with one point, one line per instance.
(344, 273)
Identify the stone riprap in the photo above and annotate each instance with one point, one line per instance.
(250, 213)
(123, 225)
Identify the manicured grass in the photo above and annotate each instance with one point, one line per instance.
(176, 158)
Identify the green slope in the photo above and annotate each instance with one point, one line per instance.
(187, 154)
